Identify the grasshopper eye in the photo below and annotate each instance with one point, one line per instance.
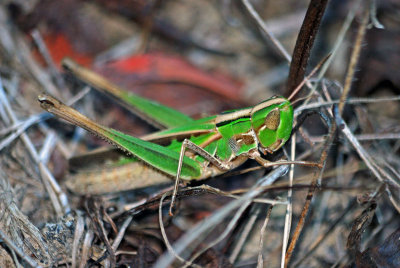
(272, 123)
(273, 119)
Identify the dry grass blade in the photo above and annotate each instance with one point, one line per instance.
(79, 231)
(262, 233)
(354, 60)
(264, 28)
(289, 206)
(255, 212)
(86, 247)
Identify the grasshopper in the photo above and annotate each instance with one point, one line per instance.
(218, 143)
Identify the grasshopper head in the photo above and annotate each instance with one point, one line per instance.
(272, 123)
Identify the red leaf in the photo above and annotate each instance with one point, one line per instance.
(59, 47)
(161, 68)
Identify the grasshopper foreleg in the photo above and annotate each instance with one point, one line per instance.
(265, 163)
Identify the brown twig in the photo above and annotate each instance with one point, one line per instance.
(304, 43)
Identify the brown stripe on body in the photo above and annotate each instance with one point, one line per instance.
(267, 103)
(165, 138)
(232, 116)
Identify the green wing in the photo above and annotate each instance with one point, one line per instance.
(153, 112)
(159, 157)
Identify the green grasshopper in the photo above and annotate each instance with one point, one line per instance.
(219, 143)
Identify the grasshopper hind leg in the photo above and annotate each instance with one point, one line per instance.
(188, 144)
